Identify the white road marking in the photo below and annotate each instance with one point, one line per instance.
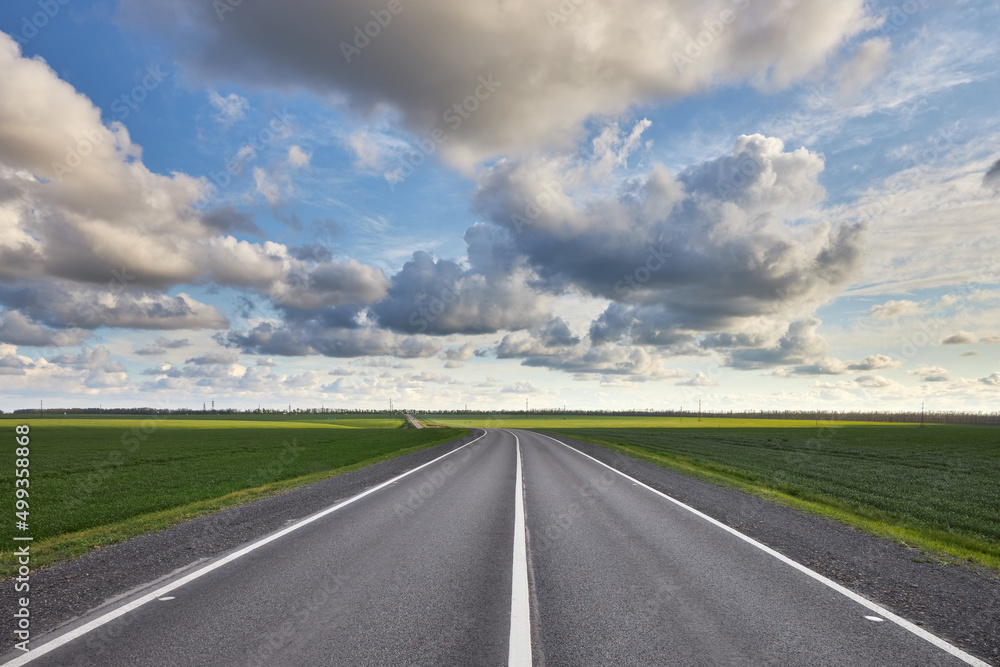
(519, 648)
(875, 618)
(169, 597)
(76, 633)
(871, 606)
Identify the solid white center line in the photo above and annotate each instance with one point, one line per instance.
(519, 651)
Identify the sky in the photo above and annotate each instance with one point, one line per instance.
(755, 204)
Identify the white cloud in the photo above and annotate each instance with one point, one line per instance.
(298, 158)
(551, 75)
(82, 210)
(230, 108)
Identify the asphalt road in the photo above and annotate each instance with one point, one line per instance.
(430, 569)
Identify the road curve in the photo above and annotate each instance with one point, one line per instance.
(425, 570)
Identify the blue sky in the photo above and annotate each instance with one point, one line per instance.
(754, 204)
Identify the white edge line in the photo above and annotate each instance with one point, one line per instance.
(160, 592)
(898, 620)
(519, 647)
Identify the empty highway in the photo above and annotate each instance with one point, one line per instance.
(514, 549)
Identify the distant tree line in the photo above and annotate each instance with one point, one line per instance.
(909, 417)
(906, 417)
(193, 411)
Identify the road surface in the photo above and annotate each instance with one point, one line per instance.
(456, 563)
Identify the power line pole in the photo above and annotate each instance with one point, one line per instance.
(921, 414)
(699, 409)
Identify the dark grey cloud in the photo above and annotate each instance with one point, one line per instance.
(310, 339)
(702, 254)
(175, 344)
(440, 297)
(163, 344)
(799, 345)
(230, 220)
(225, 357)
(66, 306)
(12, 365)
(16, 329)
(316, 252)
(992, 176)
(960, 338)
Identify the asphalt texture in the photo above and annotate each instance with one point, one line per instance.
(419, 573)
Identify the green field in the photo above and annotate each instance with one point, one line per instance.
(608, 421)
(937, 488)
(96, 481)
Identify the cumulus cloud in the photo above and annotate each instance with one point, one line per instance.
(800, 344)
(441, 297)
(16, 329)
(700, 379)
(100, 371)
(552, 75)
(892, 309)
(931, 374)
(709, 251)
(65, 306)
(874, 362)
(463, 353)
(12, 363)
(833, 366)
(226, 357)
(81, 208)
(313, 337)
(960, 338)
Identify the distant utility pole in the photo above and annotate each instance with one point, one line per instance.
(41, 407)
(921, 414)
(699, 409)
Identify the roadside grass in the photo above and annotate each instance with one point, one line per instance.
(935, 488)
(96, 482)
(611, 421)
(227, 421)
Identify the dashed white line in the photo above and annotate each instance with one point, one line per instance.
(159, 593)
(871, 606)
(519, 648)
